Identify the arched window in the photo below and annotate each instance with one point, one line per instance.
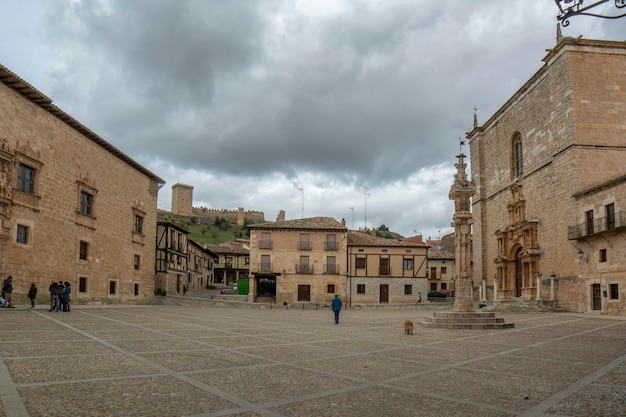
(517, 159)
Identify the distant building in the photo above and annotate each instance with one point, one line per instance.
(298, 261)
(441, 264)
(232, 263)
(172, 257)
(200, 266)
(549, 211)
(385, 270)
(72, 206)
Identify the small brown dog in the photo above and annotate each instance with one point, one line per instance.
(408, 327)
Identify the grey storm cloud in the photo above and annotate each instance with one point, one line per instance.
(245, 98)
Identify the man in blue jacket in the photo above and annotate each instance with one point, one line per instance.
(336, 306)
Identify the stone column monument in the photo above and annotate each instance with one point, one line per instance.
(463, 315)
(461, 192)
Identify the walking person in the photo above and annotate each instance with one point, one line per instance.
(7, 289)
(419, 298)
(54, 296)
(66, 296)
(32, 294)
(184, 290)
(336, 306)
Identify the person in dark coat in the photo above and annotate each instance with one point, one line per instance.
(66, 296)
(61, 293)
(54, 296)
(7, 289)
(336, 306)
(32, 294)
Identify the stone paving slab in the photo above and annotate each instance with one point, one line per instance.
(204, 361)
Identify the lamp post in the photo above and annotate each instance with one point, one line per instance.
(495, 288)
(538, 276)
(571, 8)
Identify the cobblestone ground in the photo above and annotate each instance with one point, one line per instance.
(210, 361)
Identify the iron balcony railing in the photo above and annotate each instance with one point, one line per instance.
(330, 246)
(597, 226)
(331, 269)
(304, 268)
(304, 245)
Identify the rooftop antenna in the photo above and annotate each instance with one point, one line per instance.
(302, 191)
(365, 192)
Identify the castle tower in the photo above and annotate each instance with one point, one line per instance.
(461, 192)
(182, 199)
(241, 217)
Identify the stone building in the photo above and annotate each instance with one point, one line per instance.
(298, 261)
(72, 206)
(232, 263)
(385, 270)
(200, 266)
(550, 225)
(441, 265)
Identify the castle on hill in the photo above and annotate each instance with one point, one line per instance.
(182, 205)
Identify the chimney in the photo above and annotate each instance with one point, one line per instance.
(281, 216)
(343, 223)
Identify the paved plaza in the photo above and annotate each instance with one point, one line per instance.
(218, 361)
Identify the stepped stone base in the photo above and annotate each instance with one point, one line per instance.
(524, 306)
(465, 321)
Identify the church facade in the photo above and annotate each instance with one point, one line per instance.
(550, 204)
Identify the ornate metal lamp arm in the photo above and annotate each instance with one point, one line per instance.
(571, 8)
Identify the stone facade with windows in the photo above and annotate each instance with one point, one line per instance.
(232, 263)
(69, 203)
(298, 261)
(382, 271)
(549, 211)
(441, 265)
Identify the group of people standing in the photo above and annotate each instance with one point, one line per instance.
(60, 296)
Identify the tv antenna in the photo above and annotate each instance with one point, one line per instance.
(302, 192)
(365, 193)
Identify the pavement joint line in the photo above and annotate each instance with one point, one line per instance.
(245, 405)
(587, 380)
(360, 385)
(503, 353)
(13, 404)
(272, 332)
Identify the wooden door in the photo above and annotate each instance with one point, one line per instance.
(596, 297)
(518, 274)
(304, 293)
(384, 293)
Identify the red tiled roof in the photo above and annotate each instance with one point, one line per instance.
(227, 249)
(356, 238)
(317, 223)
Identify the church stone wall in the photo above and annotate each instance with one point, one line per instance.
(571, 117)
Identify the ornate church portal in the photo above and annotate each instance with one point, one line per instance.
(517, 261)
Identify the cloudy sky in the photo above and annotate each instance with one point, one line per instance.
(344, 108)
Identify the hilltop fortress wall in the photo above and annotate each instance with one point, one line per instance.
(182, 205)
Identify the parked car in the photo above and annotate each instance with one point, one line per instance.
(230, 289)
(436, 296)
